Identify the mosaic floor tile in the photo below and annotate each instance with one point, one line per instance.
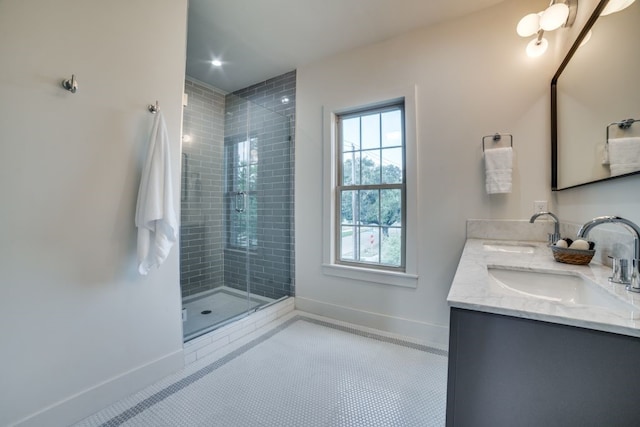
(305, 372)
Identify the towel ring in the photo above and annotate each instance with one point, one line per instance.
(622, 124)
(497, 137)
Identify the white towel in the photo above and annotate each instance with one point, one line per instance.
(624, 155)
(498, 163)
(155, 216)
(605, 154)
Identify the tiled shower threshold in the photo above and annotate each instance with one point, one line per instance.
(231, 333)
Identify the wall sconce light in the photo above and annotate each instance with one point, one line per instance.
(615, 6)
(558, 14)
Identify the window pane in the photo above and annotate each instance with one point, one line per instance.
(253, 177)
(348, 243)
(369, 207)
(391, 207)
(349, 206)
(241, 154)
(371, 131)
(240, 178)
(351, 168)
(370, 167)
(391, 251)
(392, 166)
(351, 134)
(370, 244)
(253, 155)
(392, 129)
(251, 214)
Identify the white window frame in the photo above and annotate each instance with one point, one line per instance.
(408, 278)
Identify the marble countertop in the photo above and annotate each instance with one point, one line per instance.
(471, 289)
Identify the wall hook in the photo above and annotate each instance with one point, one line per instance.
(154, 108)
(70, 84)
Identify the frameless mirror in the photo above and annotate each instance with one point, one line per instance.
(595, 102)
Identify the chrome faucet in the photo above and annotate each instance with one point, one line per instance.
(634, 282)
(555, 236)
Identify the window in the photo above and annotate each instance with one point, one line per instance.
(241, 193)
(370, 205)
(363, 144)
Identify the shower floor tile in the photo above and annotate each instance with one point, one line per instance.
(305, 372)
(213, 307)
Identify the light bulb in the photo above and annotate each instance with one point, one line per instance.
(586, 38)
(528, 25)
(536, 48)
(616, 6)
(216, 63)
(554, 17)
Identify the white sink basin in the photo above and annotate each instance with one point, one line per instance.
(568, 289)
(516, 248)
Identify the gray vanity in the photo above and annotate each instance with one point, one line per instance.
(534, 342)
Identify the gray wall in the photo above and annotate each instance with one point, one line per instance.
(201, 228)
(271, 263)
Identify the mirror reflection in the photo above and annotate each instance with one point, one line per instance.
(598, 104)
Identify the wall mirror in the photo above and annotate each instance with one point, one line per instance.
(595, 94)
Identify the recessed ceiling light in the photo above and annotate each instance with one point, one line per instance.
(284, 100)
(216, 63)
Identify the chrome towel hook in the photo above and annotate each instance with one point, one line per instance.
(70, 84)
(154, 108)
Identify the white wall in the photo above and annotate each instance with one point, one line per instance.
(79, 328)
(473, 79)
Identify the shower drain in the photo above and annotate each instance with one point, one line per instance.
(206, 312)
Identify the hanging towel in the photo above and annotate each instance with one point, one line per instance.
(624, 155)
(498, 163)
(605, 154)
(155, 216)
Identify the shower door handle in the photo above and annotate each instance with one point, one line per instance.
(241, 195)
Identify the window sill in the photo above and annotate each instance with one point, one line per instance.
(371, 275)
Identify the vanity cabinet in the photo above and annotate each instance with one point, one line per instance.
(509, 371)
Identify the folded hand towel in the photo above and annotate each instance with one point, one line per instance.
(155, 216)
(498, 166)
(624, 155)
(605, 154)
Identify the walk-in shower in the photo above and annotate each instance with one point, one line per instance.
(236, 247)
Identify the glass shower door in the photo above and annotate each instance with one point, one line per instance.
(241, 176)
(237, 214)
(259, 255)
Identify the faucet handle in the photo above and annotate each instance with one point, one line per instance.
(634, 281)
(620, 271)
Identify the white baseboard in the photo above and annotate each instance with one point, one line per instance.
(90, 401)
(426, 333)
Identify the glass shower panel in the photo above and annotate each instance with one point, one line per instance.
(270, 208)
(240, 189)
(254, 195)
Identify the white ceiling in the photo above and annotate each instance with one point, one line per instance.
(260, 39)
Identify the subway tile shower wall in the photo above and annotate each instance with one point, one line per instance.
(201, 228)
(269, 117)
